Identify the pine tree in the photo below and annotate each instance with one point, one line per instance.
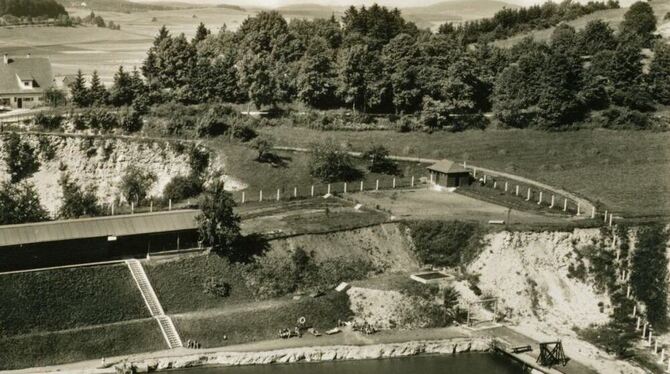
(122, 92)
(98, 93)
(659, 73)
(200, 34)
(79, 92)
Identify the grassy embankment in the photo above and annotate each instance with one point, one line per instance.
(180, 285)
(65, 315)
(626, 171)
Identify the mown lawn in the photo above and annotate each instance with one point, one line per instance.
(247, 326)
(627, 171)
(240, 162)
(82, 344)
(180, 283)
(67, 298)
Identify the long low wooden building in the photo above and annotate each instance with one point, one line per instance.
(66, 242)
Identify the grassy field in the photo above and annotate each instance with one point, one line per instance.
(262, 324)
(80, 344)
(179, 284)
(68, 298)
(611, 16)
(627, 171)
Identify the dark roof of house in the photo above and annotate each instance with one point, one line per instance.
(37, 69)
(447, 167)
(121, 225)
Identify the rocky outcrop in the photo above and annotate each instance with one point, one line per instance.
(99, 162)
(320, 354)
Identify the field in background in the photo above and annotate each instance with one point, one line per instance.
(627, 171)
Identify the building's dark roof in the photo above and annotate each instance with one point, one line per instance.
(447, 167)
(37, 69)
(121, 225)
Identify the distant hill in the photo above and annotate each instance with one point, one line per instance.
(123, 6)
(31, 8)
(426, 16)
(311, 10)
(463, 9)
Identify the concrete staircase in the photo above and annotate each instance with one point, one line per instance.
(153, 304)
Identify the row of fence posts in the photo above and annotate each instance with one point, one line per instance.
(641, 324)
(312, 193)
(112, 207)
(529, 193)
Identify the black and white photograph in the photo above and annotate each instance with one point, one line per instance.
(335, 186)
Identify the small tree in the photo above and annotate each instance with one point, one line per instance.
(379, 160)
(136, 183)
(79, 92)
(331, 163)
(649, 273)
(218, 224)
(54, 97)
(77, 202)
(20, 158)
(263, 145)
(19, 203)
(98, 93)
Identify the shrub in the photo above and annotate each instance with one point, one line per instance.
(244, 133)
(182, 187)
(198, 159)
(331, 163)
(216, 287)
(46, 148)
(19, 203)
(77, 202)
(649, 273)
(20, 159)
(135, 184)
(379, 160)
(48, 122)
(447, 243)
(130, 121)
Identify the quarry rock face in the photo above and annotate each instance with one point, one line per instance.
(101, 163)
(328, 353)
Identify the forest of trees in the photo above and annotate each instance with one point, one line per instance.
(508, 22)
(31, 8)
(376, 62)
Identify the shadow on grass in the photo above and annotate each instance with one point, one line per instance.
(276, 161)
(249, 246)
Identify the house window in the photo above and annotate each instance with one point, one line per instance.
(26, 83)
(28, 99)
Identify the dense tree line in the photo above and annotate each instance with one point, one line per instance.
(375, 61)
(507, 22)
(31, 8)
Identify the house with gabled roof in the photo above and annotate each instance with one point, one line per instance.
(24, 81)
(447, 173)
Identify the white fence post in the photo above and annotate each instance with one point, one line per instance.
(278, 194)
(170, 204)
(260, 195)
(312, 190)
(553, 200)
(328, 189)
(393, 182)
(505, 186)
(565, 204)
(151, 206)
(412, 181)
(539, 201)
(243, 197)
(610, 219)
(345, 187)
(579, 208)
(517, 190)
(112, 208)
(605, 217)
(132, 207)
(495, 184)
(528, 198)
(361, 186)
(377, 185)
(295, 191)
(593, 212)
